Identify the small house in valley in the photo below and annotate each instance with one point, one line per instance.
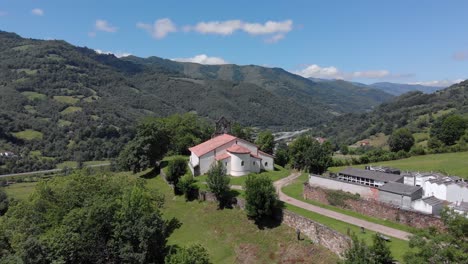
(238, 156)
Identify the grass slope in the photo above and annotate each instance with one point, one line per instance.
(28, 134)
(447, 163)
(227, 234)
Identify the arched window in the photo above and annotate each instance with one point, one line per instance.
(253, 163)
(242, 163)
(266, 164)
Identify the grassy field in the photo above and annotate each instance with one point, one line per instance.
(230, 237)
(275, 175)
(447, 163)
(295, 190)
(20, 190)
(28, 134)
(397, 246)
(71, 109)
(227, 234)
(34, 96)
(66, 99)
(73, 164)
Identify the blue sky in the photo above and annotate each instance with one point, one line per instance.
(365, 41)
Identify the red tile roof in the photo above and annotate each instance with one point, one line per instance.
(207, 146)
(255, 156)
(238, 149)
(265, 154)
(222, 156)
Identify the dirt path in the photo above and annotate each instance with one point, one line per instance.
(335, 215)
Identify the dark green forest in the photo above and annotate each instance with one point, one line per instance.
(60, 102)
(416, 111)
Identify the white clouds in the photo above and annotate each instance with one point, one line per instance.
(332, 72)
(370, 74)
(203, 59)
(160, 28)
(439, 83)
(270, 27)
(216, 27)
(117, 54)
(318, 72)
(103, 25)
(37, 12)
(275, 38)
(276, 30)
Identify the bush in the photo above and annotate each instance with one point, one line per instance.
(175, 169)
(218, 183)
(260, 196)
(195, 254)
(188, 187)
(417, 150)
(338, 198)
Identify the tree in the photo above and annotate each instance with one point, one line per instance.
(239, 131)
(266, 141)
(184, 131)
(218, 182)
(434, 246)
(380, 251)
(401, 139)
(358, 253)
(87, 219)
(195, 254)
(149, 146)
(449, 129)
(175, 169)
(344, 149)
(260, 197)
(308, 154)
(282, 154)
(4, 202)
(187, 186)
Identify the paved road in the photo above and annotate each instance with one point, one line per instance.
(332, 214)
(48, 171)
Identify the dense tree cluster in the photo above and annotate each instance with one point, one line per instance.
(266, 141)
(157, 137)
(401, 139)
(360, 253)
(260, 197)
(306, 153)
(434, 246)
(86, 219)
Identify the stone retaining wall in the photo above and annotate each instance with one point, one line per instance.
(336, 242)
(378, 209)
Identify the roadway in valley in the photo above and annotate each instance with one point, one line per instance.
(48, 171)
(385, 230)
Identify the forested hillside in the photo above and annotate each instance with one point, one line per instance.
(415, 110)
(333, 97)
(61, 102)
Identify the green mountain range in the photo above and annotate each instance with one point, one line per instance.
(413, 110)
(61, 102)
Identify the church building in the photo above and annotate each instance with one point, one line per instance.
(238, 156)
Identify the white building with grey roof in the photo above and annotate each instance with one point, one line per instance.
(368, 177)
(399, 194)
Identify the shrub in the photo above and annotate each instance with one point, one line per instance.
(188, 187)
(260, 196)
(175, 169)
(218, 183)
